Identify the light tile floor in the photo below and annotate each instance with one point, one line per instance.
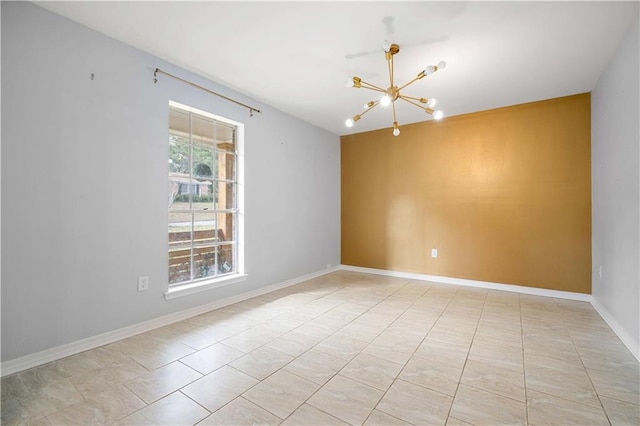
(349, 348)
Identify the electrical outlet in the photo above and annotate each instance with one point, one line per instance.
(143, 283)
(328, 265)
(434, 253)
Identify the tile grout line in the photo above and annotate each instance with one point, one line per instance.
(524, 362)
(413, 353)
(348, 361)
(281, 368)
(84, 398)
(226, 364)
(246, 353)
(586, 370)
(453, 399)
(499, 367)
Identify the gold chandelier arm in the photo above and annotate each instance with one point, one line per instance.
(393, 104)
(370, 86)
(369, 109)
(421, 100)
(410, 82)
(415, 104)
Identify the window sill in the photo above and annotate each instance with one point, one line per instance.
(197, 287)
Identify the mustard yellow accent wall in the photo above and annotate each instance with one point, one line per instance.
(504, 195)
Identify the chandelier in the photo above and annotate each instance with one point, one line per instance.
(392, 93)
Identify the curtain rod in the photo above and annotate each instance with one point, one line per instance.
(155, 80)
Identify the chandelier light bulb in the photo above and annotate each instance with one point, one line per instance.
(386, 45)
(396, 132)
(349, 122)
(431, 103)
(349, 82)
(438, 115)
(385, 100)
(429, 70)
(442, 65)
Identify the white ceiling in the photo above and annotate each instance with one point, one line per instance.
(296, 56)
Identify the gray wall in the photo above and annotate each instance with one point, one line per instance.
(84, 178)
(615, 187)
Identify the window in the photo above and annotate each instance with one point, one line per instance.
(204, 198)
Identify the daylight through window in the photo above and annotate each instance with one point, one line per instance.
(202, 196)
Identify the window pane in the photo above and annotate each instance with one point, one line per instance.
(226, 257)
(179, 265)
(179, 121)
(179, 247)
(202, 184)
(202, 129)
(225, 196)
(225, 137)
(226, 226)
(179, 228)
(179, 166)
(203, 197)
(204, 239)
(179, 143)
(204, 226)
(178, 154)
(179, 194)
(225, 168)
(204, 262)
(202, 162)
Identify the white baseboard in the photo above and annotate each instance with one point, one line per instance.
(59, 352)
(53, 354)
(473, 283)
(632, 344)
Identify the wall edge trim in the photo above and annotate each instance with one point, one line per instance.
(623, 335)
(473, 283)
(33, 360)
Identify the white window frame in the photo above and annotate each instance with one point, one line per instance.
(196, 286)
